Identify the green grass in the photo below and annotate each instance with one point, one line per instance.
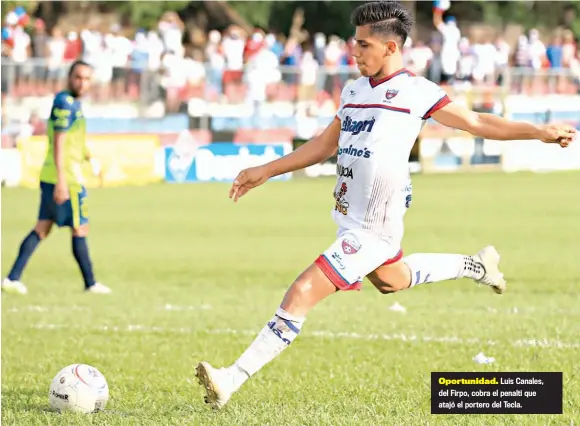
(195, 276)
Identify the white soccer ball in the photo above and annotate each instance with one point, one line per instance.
(79, 388)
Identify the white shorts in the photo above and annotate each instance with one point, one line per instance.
(355, 254)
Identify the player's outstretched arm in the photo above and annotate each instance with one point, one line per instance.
(491, 126)
(313, 152)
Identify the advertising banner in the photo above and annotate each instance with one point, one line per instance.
(218, 162)
(124, 159)
(537, 156)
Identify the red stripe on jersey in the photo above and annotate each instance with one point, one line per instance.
(438, 105)
(374, 83)
(379, 106)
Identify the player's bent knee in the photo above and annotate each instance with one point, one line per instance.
(43, 228)
(81, 231)
(307, 290)
(391, 278)
(303, 286)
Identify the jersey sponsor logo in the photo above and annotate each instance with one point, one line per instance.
(61, 122)
(350, 245)
(391, 93)
(345, 172)
(354, 152)
(341, 203)
(61, 113)
(408, 201)
(355, 127)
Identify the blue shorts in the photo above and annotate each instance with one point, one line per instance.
(72, 213)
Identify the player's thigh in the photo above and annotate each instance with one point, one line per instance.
(311, 287)
(391, 277)
(47, 208)
(354, 255)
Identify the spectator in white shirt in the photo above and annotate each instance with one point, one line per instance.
(119, 49)
(171, 29)
(262, 71)
(155, 50)
(194, 71)
(215, 61)
(536, 50)
(466, 61)
(233, 46)
(450, 45)
(21, 52)
(332, 55)
(485, 61)
(502, 59)
(173, 79)
(568, 48)
(308, 76)
(55, 59)
(419, 57)
(233, 49)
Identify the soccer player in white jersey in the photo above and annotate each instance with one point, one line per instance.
(379, 118)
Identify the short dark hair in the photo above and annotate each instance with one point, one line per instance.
(384, 18)
(78, 63)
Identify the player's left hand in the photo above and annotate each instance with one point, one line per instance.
(561, 134)
(248, 179)
(61, 194)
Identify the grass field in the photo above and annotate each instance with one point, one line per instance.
(196, 276)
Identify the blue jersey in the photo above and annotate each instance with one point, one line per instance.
(66, 117)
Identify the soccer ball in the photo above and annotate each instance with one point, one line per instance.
(79, 388)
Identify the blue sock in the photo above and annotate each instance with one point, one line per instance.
(27, 247)
(81, 253)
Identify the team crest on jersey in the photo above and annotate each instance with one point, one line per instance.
(350, 245)
(391, 93)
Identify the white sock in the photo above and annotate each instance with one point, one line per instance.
(434, 267)
(272, 340)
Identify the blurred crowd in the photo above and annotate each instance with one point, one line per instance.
(173, 64)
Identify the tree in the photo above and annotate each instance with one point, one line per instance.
(9, 6)
(145, 14)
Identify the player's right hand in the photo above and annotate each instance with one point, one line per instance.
(61, 194)
(563, 135)
(248, 179)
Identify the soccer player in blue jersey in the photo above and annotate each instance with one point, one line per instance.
(63, 196)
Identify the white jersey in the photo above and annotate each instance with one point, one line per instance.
(381, 121)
